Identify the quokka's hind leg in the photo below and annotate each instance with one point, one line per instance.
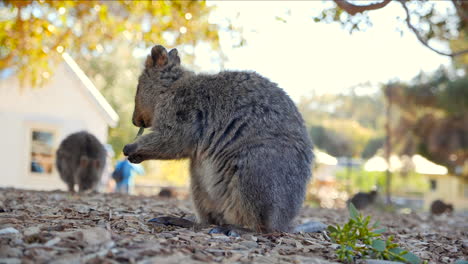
(69, 179)
(236, 220)
(200, 203)
(71, 187)
(238, 216)
(173, 221)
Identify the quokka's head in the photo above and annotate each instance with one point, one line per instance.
(162, 69)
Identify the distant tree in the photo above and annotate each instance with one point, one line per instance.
(432, 118)
(344, 124)
(333, 143)
(34, 33)
(366, 110)
(372, 146)
(428, 22)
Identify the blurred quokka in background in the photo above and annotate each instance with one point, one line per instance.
(80, 160)
(362, 200)
(250, 155)
(439, 207)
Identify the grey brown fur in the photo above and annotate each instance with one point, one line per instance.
(250, 155)
(80, 161)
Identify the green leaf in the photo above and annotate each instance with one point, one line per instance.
(411, 258)
(396, 250)
(380, 231)
(366, 221)
(379, 245)
(332, 229)
(376, 224)
(353, 212)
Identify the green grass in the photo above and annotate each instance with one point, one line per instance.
(358, 239)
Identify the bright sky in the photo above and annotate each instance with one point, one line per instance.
(304, 57)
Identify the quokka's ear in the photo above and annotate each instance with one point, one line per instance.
(174, 56)
(158, 57)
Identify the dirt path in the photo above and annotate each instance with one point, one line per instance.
(57, 227)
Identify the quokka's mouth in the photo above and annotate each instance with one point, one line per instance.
(140, 132)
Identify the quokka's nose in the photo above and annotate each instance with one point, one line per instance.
(139, 122)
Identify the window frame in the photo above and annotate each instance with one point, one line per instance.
(433, 185)
(41, 127)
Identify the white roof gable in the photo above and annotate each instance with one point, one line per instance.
(92, 92)
(420, 165)
(324, 158)
(424, 166)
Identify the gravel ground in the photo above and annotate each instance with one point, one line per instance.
(58, 227)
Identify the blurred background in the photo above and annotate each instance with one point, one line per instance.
(382, 86)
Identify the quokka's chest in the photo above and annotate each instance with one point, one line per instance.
(214, 182)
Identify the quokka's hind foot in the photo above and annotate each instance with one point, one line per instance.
(310, 227)
(172, 221)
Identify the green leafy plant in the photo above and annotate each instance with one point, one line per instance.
(357, 239)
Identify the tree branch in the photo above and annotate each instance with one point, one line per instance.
(354, 9)
(461, 8)
(423, 40)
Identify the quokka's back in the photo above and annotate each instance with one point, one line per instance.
(242, 107)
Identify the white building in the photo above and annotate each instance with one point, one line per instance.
(35, 121)
(417, 163)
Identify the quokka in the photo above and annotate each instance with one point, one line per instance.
(250, 154)
(80, 161)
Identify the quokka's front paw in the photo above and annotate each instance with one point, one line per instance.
(131, 151)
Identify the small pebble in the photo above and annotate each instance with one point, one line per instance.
(249, 237)
(8, 230)
(249, 244)
(31, 231)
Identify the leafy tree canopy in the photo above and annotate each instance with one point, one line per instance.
(34, 33)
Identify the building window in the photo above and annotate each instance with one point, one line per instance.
(433, 185)
(42, 154)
